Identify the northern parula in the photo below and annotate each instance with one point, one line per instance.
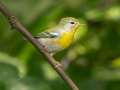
(59, 37)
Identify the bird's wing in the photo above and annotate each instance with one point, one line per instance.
(48, 34)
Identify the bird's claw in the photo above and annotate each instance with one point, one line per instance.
(58, 64)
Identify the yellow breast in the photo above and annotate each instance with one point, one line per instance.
(66, 39)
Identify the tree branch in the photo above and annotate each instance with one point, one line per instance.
(20, 28)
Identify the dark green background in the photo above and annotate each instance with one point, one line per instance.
(94, 57)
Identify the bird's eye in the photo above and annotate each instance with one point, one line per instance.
(72, 23)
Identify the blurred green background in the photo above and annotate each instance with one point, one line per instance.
(93, 61)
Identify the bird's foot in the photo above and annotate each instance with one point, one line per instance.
(58, 64)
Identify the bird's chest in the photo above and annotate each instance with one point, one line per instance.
(66, 39)
(59, 43)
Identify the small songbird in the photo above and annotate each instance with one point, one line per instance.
(59, 37)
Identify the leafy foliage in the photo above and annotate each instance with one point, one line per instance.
(93, 61)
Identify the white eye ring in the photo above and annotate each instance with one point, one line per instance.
(72, 22)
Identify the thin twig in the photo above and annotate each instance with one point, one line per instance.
(20, 28)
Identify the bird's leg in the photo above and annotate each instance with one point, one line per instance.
(58, 64)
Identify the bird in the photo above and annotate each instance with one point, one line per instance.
(59, 37)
